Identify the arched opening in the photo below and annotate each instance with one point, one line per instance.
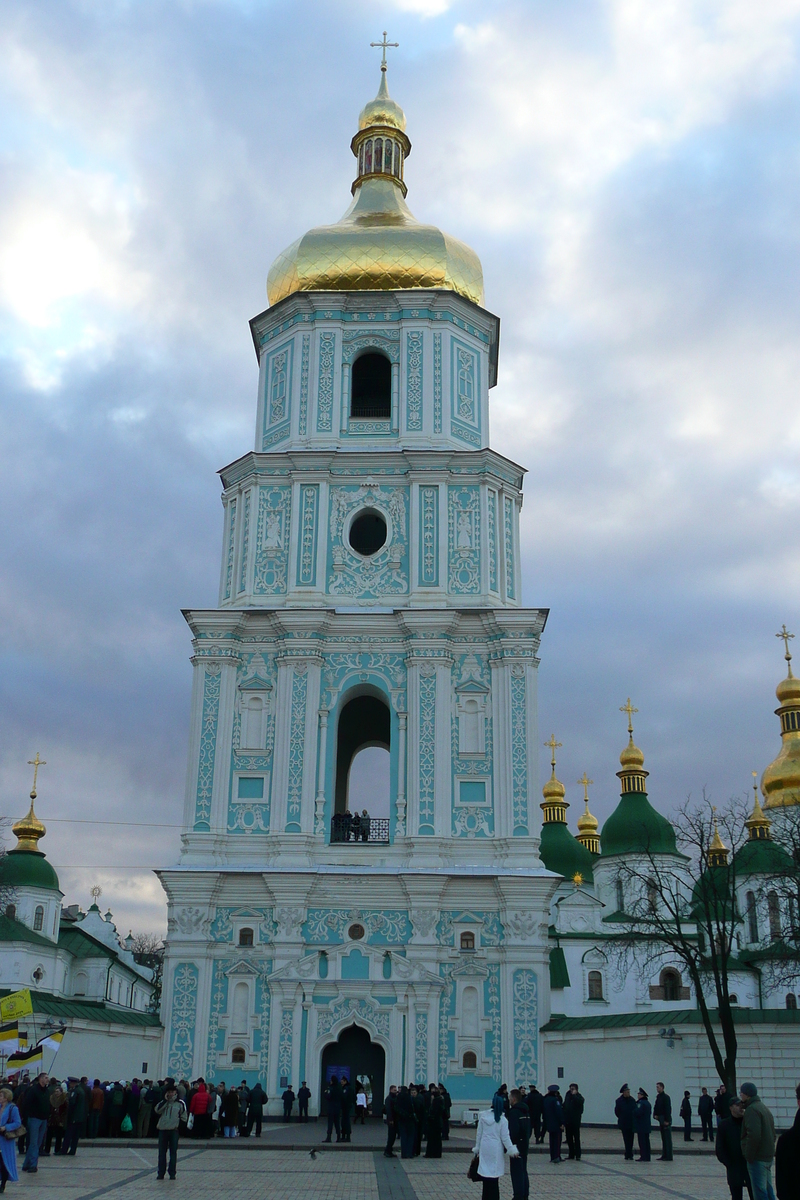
(469, 1060)
(671, 983)
(791, 1001)
(371, 387)
(752, 917)
(38, 918)
(81, 983)
(355, 1055)
(470, 1012)
(245, 937)
(364, 723)
(237, 1055)
(595, 983)
(467, 941)
(241, 1008)
(774, 912)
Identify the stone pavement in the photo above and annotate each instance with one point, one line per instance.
(218, 1171)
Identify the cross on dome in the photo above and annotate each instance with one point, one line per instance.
(35, 763)
(630, 710)
(384, 45)
(554, 745)
(787, 637)
(586, 785)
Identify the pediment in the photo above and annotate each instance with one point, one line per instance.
(254, 683)
(243, 967)
(474, 687)
(578, 899)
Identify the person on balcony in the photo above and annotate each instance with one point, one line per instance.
(365, 824)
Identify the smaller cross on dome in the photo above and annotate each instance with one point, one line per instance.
(554, 745)
(787, 637)
(35, 763)
(586, 785)
(630, 710)
(384, 46)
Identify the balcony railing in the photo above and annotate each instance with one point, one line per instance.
(350, 827)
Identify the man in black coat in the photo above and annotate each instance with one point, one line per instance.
(729, 1151)
(705, 1111)
(288, 1103)
(391, 1123)
(624, 1111)
(255, 1109)
(573, 1112)
(787, 1160)
(686, 1117)
(519, 1130)
(448, 1104)
(554, 1121)
(303, 1097)
(662, 1112)
(535, 1103)
(333, 1098)
(722, 1104)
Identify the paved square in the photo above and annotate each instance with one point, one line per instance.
(218, 1172)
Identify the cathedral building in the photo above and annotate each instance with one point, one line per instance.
(370, 596)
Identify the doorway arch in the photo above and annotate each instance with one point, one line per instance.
(364, 721)
(355, 1051)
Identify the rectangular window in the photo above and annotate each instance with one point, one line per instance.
(252, 788)
(472, 791)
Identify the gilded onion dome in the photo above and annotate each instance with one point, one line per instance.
(588, 825)
(780, 783)
(760, 855)
(635, 827)
(378, 245)
(26, 865)
(559, 850)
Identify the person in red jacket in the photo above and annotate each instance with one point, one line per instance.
(199, 1110)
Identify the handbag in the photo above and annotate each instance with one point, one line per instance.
(472, 1171)
(13, 1134)
(127, 1125)
(190, 1122)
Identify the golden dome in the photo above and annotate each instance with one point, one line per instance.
(587, 823)
(631, 756)
(29, 830)
(554, 790)
(780, 783)
(378, 245)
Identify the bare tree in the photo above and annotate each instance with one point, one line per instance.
(683, 908)
(779, 894)
(148, 951)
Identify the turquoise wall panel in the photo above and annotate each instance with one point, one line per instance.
(464, 539)
(414, 367)
(307, 540)
(272, 552)
(183, 1019)
(428, 566)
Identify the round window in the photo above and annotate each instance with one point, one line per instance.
(368, 532)
(355, 933)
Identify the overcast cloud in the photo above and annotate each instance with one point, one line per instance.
(628, 172)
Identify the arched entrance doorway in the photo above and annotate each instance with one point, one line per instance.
(364, 721)
(357, 1055)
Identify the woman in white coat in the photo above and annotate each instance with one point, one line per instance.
(493, 1137)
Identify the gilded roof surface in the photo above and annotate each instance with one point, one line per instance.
(378, 245)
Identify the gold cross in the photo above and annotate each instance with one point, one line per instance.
(755, 783)
(384, 45)
(630, 710)
(35, 763)
(554, 745)
(586, 784)
(787, 637)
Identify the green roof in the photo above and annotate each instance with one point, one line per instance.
(27, 868)
(12, 930)
(559, 975)
(762, 856)
(87, 1010)
(564, 854)
(680, 1016)
(635, 827)
(81, 945)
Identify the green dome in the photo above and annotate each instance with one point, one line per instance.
(562, 853)
(635, 827)
(27, 868)
(762, 856)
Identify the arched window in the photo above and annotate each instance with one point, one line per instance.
(397, 158)
(752, 917)
(468, 941)
(470, 1012)
(774, 911)
(469, 1060)
(241, 1008)
(38, 918)
(733, 998)
(245, 937)
(595, 985)
(237, 1055)
(652, 896)
(81, 983)
(371, 387)
(620, 896)
(368, 157)
(791, 1001)
(11, 911)
(377, 154)
(671, 983)
(387, 157)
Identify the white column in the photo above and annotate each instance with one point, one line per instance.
(443, 772)
(396, 396)
(345, 397)
(501, 713)
(222, 754)
(319, 803)
(310, 744)
(280, 760)
(412, 789)
(402, 721)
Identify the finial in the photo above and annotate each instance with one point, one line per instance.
(554, 745)
(717, 850)
(577, 879)
(630, 710)
(755, 785)
(95, 892)
(40, 762)
(384, 46)
(586, 785)
(787, 637)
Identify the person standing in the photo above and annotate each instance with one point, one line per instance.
(554, 1121)
(288, 1103)
(333, 1099)
(10, 1120)
(448, 1104)
(686, 1117)
(728, 1149)
(361, 1104)
(391, 1125)
(758, 1142)
(198, 1110)
(705, 1111)
(36, 1110)
(244, 1104)
(492, 1137)
(433, 1147)
(535, 1102)
(787, 1159)
(722, 1104)
(116, 1109)
(403, 1109)
(76, 1117)
(171, 1112)
(255, 1111)
(643, 1124)
(57, 1121)
(624, 1110)
(145, 1109)
(96, 1102)
(573, 1113)
(303, 1097)
(347, 1110)
(662, 1111)
(418, 1105)
(519, 1130)
(229, 1113)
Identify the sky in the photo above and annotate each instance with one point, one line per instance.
(627, 171)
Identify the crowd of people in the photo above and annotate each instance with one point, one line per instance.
(43, 1116)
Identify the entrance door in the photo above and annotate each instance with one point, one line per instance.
(355, 1054)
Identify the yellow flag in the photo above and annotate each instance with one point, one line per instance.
(18, 1004)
